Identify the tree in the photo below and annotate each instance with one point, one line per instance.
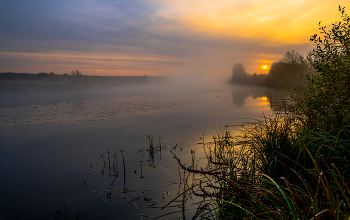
(288, 71)
(239, 75)
(75, 73)
(326, 103)
(257, 79)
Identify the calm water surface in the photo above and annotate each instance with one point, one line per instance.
(51, 145)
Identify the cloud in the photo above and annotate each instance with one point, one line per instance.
(167, 36)
(89, 63)
(273, 21)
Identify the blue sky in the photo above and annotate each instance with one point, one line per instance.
(155, 37)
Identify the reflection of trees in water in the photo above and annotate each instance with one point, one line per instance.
(238, 98)
(276, 99)
(241, 93)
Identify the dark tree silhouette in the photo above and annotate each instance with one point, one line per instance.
(76, 73)
(290, 71)
(239, 75)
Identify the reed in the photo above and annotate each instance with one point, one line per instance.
(109, 163)
(294, 164)
(141, 169)
(266, 173)
(123, 169)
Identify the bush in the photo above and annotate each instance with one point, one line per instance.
(326, 103)
(289, 71)
(294, 165)
(239, 75)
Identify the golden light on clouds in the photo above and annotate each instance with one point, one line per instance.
(93, 63)
(159, 37)
(282, 21)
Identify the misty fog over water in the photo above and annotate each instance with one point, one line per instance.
(52, 142)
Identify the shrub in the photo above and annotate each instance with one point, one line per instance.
(289, 71)
(294, 165)
(326, 103)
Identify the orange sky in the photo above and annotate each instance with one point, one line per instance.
(157, 37)
(282, 23)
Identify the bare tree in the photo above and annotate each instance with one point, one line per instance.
(75, 73)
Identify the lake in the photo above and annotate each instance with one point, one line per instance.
(51, 145)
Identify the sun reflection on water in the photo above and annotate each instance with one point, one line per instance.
(263, 100)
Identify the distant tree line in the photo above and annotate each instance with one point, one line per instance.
(33, 76)
(240, 76)
(27, 76)
(11, 82)
(75, 77)
(76, 73)
(288, 72)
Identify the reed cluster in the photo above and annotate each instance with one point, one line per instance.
(274, 170)
(294, 164)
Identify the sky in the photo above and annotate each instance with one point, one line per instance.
(157, 37)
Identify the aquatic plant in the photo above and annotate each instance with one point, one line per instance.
(269, 177)
(294, 164)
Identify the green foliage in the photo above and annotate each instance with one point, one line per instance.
(272, 172)
(272, 140)
(326, 103)
(295, 164)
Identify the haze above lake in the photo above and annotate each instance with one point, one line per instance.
(52, 142)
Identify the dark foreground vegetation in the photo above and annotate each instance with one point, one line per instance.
(295, 164)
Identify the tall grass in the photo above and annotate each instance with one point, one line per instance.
(295, 164)
(272, 171)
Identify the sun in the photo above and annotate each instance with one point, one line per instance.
(265, 68)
